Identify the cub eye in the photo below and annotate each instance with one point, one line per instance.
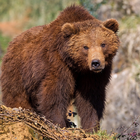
(103, 45)
(86, 48)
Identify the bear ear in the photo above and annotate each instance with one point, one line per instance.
(111, 24)
(68, 29)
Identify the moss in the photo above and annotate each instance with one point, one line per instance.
(4, 42)
(129, 22)
(104, 136)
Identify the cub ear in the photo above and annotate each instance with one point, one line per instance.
(111, 24)
(68, 29)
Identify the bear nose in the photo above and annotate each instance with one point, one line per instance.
(95, 63)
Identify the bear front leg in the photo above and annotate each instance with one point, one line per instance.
(88, 114)
(54, 97)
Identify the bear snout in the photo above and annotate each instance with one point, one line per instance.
(95, 63)
(96, 59)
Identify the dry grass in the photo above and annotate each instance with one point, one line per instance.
(44, 127)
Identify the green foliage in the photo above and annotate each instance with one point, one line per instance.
(4, 41)
(3, 46)
(29, 13)
(129, 22)
(91, 6)
(104, 136)
(36, 12)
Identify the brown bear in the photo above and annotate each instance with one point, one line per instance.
(47, 66)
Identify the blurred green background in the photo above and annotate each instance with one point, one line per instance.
(19, 15)
(123, 98)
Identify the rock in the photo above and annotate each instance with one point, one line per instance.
(123, 102)
(135, 6)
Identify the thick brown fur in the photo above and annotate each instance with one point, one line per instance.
(46, 66)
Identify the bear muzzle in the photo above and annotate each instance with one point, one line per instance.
(95, 63)
(96, 66)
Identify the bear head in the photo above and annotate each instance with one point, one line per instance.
(89, 45)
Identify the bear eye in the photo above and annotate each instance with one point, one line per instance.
(86, 48)
(103, 45)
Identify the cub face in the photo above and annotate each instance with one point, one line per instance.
(90, 46)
